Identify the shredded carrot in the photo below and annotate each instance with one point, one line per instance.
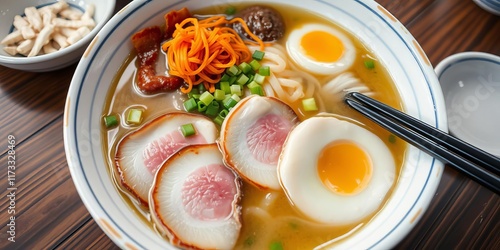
(201, 50)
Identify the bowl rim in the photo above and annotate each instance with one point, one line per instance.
(431, 182)
(22, 60)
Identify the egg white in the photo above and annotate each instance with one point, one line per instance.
(299, 178)
(299, 56)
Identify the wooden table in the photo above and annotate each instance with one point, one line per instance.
(50, 214)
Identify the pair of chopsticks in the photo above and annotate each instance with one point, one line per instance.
(479, 165)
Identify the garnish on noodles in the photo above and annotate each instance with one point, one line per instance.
(200, 50)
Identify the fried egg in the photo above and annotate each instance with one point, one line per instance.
(320, 49)
(334, 171)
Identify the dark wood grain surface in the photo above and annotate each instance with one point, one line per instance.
(50, 214)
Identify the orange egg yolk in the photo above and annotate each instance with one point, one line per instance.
(344, 168)
(322, 46)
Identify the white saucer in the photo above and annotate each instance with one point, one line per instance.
(471, 86)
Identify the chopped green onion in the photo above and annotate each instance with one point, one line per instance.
(231, 102)
(188, 130)
(258, 55)
(212, 109)
(201, 88)
(276, 246)
(255, 88)
(223, 113)
(218, 120)
(265, 71)
(259, 78)
(134, 116)
(231, 10)
(206, 98)
(255, 64)
(309, 104)
(392, 138)
(250, 78)
(232, 80)
(369, 64)
(224, 78)
(236, 90)
(233, 70)
(202, 107)
(235, 97)
(220, 94)
(242, 79)
(190, 104)
(245, 67)
(249, 241)
(110, 121)
(225, 86)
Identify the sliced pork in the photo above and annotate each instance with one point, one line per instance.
(252, 136)
(140, 153)
(194, 199)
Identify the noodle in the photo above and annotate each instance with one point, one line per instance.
(335, 89)
(286, 81)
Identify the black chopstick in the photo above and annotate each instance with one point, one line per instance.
(488, 161)
(459, 154)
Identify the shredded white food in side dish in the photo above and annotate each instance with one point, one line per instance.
(48, 29)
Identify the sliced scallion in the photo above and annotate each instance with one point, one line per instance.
(206, 98)
(369, 64)
(231, 10)
(218, 120)
(188, 129)
(212, 109)
(202, 107)
(233, 70)
(245, 67)
(231, 102)
(224, 78)
(255, 88)
(276, 246)
(190, 104)
(236, 90)
(259, 78)
(265, 71)
(220, 94)
(110, 121)
(134, 116)
(309, 104)
(255, 64)
(225, 86)
(242, 79)
(258, 55)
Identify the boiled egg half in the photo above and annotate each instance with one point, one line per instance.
(334, 171)
(320, 49)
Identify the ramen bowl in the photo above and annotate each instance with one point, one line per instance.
(62, 57)
(395, 48)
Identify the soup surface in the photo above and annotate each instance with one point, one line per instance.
(268, 218)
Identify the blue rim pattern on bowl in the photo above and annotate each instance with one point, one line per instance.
(75, 122)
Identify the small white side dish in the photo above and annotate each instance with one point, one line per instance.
(471, 88)
(59, 59)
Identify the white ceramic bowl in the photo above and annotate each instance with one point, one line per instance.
(62, 58)
(471, 87)
(386, 36)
